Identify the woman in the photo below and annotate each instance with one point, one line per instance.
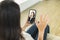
(31, 17)
(10, 28)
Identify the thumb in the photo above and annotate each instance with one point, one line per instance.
(37, 22)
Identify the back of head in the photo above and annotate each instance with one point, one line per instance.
(8, 0)
(9, 21)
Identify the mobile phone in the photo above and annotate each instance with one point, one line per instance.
(32, 15)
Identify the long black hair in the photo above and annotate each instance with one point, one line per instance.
(10, 21)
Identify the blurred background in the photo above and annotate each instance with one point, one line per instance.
(45, 7)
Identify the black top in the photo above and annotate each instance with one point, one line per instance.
(32, 20)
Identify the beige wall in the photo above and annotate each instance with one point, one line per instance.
(52, 9)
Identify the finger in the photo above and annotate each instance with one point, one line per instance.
(36, 21)
(46, 19)
(41, 18)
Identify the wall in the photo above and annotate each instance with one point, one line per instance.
(28, 4)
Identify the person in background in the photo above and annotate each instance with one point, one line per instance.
(31, 17)
(10, 28)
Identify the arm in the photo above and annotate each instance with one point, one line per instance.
(40, 35)
(26, 25)
(41, 25)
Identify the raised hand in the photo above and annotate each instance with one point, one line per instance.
(41, 24)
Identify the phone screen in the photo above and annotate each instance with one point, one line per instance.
(32, 15)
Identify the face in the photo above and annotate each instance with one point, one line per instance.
(31, 15)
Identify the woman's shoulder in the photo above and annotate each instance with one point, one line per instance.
(27, 36)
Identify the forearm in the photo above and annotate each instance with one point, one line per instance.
(26, 25)
(41, 35)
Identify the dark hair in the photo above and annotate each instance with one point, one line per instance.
(10, 21)
(33, 14)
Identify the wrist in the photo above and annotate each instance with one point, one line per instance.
(42, 31)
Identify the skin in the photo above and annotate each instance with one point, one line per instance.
(41, 25)
(31, 16)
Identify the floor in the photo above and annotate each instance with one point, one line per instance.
(50, 8)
